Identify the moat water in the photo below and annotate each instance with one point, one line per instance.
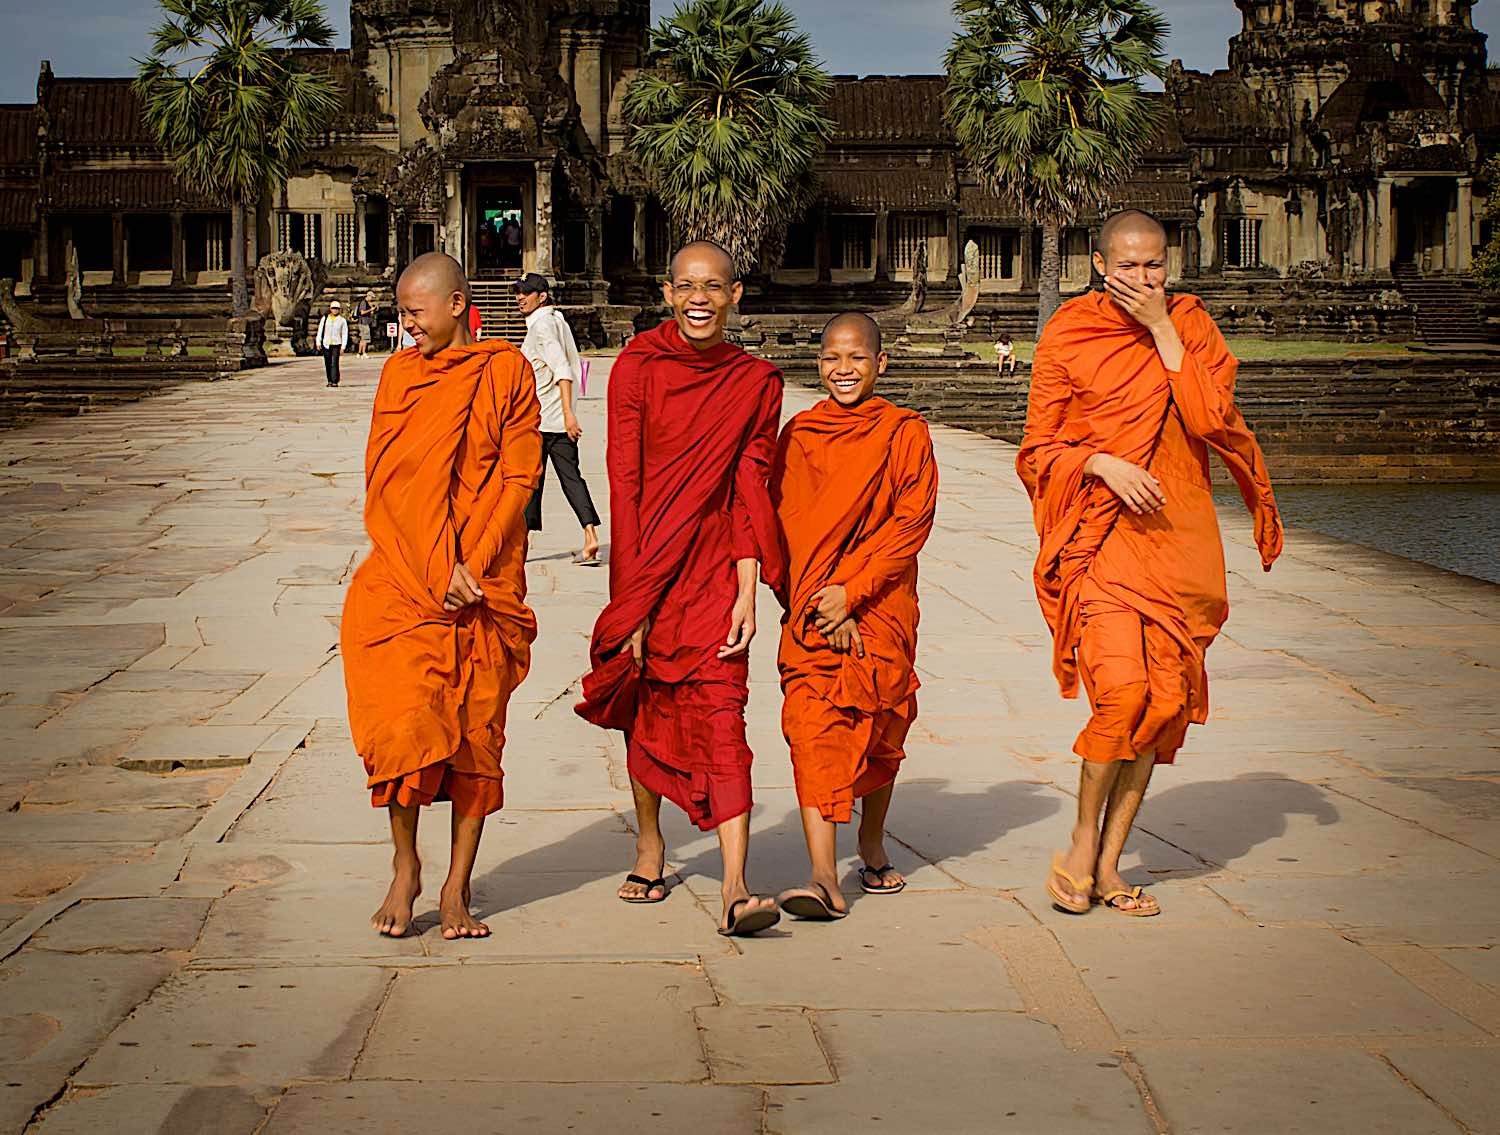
(1456, 527)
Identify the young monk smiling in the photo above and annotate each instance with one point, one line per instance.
(1130, 389)
(855, 488)
(436, 634)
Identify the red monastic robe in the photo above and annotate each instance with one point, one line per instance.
(691, 435)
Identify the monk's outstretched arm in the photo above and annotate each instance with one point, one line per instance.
(894, 548)
(514, 389)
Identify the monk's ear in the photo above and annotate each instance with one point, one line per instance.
(882, 361)
(1099, 264)
(666, 292)
(736, 293)
(457, 304)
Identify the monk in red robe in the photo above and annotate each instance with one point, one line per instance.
(692, 429)
(855, 489)
(1130, 390)
(436, 634)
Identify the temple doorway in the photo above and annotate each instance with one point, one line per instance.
(500, 230)
(1421, 223)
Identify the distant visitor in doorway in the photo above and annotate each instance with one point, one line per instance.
(333, 340)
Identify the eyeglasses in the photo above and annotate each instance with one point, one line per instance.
(713, 288)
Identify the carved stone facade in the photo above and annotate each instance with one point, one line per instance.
(1332, 163)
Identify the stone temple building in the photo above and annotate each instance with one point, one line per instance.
(1323, 184)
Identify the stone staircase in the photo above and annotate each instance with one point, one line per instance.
(496, 301)
(1447, 307)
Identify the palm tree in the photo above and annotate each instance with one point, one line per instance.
(728, 120)
(225, 98)
(1046, 101)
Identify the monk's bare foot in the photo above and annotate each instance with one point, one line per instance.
(393, 919)
(456, 921)
(650, 863)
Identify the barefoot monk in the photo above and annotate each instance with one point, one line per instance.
(436, 634)
(1130, 391)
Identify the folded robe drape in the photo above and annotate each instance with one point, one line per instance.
(453, 456)
(1135, 601)
(855, 490)
(691, 435)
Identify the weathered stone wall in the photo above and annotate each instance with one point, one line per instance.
(1421, 419)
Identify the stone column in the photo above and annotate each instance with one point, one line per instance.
(452, 241)
(882, 244)
(1028, 263)
(179, 250)
(1192, 250)
(638, 236)
(118, 260)
(359, 229)
(1383, 233)
(588, 80)
(1464, 258)
(43, 251)
(543, 256)
(955, 255)
(823, 248)
(596, 243)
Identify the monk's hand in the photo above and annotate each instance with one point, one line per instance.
(829, 607)
(1137, 489)
(571, 426)
(637, 642)
(845, 639)
(1145, 304)
(463, 590)
(741, 626)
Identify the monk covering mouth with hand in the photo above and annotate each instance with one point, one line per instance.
(1130, 390)
(692, 429)
(436, 634)
(855, 489)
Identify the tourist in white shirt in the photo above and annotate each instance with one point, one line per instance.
(1005, 354)
(333, 340)
(553, 354)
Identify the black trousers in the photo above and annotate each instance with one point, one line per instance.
(331, 364)
(562, 451)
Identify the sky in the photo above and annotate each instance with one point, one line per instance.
(862, 37)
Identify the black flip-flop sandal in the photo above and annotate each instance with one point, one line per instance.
(809, 907)
(650, 885)
(753, 923)
(879, 872)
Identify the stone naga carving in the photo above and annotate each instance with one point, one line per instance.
(284, 287)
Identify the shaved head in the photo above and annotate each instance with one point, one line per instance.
(1132, 222)
(700, 248)
(436, 273)
(858, 322)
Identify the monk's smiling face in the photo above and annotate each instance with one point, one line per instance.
(432, 298)
(851, 361)
(700, 289)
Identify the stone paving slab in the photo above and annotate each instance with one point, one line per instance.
(171, 574)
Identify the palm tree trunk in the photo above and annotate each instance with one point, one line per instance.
(1049, 277)
(238, 282)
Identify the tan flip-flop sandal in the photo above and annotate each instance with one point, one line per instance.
(1080, 886)
(1133, 893)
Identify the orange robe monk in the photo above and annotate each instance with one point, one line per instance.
(1134, 601)
(454, 456)
(855, 488)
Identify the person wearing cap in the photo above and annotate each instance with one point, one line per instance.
(550, 348)
(333, 340)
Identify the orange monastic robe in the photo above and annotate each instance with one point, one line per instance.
(855, 490)
(1135, 601)
(454, 455)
